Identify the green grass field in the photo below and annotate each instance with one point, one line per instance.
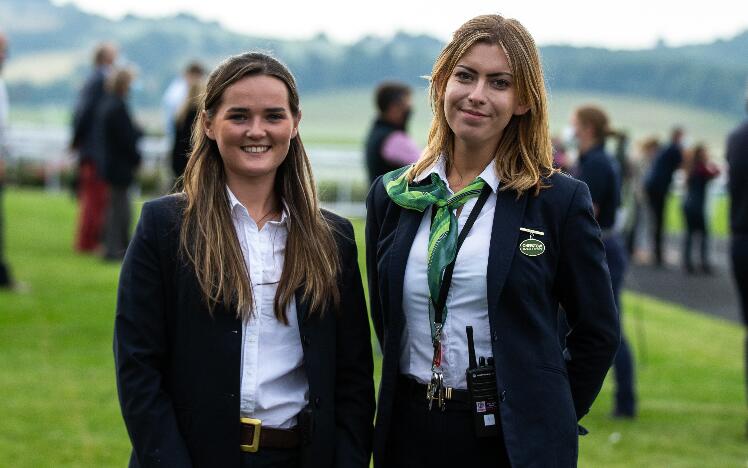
(58, 399)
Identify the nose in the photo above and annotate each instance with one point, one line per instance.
(255, 130)
(477, 95)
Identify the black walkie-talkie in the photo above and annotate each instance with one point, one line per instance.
(481, 382)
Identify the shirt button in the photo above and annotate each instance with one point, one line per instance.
(495, 336)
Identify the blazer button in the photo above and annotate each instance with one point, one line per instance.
(495, 336)
(306, 340)
(317, 402)
(503, 395)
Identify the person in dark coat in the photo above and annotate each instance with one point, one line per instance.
(657, 185)
(115, 140)
(388, 145)
(699, 171)
(184, 118)
(601, 172)
(737, 160)
(531, 243)
(91, 186)
(241, 337)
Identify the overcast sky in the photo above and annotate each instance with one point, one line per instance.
(622, 24)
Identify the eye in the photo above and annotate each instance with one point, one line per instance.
(237, 117)
(500, 83)
(276, 116)
(462, 76)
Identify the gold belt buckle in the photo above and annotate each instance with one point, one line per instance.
(255, 445)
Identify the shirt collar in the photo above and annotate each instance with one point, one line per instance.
(439, 168)
(235, 205)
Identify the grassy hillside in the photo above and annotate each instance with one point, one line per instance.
(59, 405)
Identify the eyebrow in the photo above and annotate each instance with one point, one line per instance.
(269, 109)
(471, 70)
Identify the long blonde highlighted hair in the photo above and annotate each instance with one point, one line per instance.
(524, 155)
(208, 240)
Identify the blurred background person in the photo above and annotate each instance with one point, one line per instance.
(561, 159)
(601, 173)
(6, 281)
(176, 93)
(737, 158)
(640, 220)
(185, 118)
(657, 184)
(388, 146)
(115, 142)
(699, 171)
(91, 187)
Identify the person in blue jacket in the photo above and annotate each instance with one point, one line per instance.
(482, 231)
(657, 185)
(601, 172)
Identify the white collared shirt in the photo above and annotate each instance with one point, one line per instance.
(467, 301)
(274, 386)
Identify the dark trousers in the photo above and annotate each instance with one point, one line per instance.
(420, 438)
(623, 365)
(117, 229)
(5, 278)
(695, 228)
(657, 205)
(92, 194)
(739, 257)
(272, 458)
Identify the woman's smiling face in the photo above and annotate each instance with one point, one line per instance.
(480, 97)
(253, 128)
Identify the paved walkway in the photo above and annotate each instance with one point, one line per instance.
(713, 294)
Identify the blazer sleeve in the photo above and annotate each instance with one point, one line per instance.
(584, 289)
(141, 349)
(372, 237)
(354, 385)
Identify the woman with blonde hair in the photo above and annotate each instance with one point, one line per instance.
(241, 337)
(470, 252)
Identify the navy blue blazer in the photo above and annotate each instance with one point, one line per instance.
(543, 390)
(178, 367)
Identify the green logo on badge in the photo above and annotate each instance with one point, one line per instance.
(531, 247)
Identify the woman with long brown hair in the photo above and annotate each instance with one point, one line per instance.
(241, 336)
(470, 252)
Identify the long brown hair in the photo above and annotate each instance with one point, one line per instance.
(524, 155)
(208, 239)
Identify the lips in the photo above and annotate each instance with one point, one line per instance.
(473, 113)
(255, 149)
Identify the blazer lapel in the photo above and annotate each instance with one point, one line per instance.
(507, 220)
(407, 227)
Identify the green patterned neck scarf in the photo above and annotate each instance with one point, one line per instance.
(442, 244)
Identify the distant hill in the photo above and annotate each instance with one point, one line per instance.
(51, 47)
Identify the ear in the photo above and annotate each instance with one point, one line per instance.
(295, 130)
(208, 126)
(521, 109)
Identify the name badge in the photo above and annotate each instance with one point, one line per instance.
(531, 247)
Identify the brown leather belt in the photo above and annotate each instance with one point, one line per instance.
(253, 436)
